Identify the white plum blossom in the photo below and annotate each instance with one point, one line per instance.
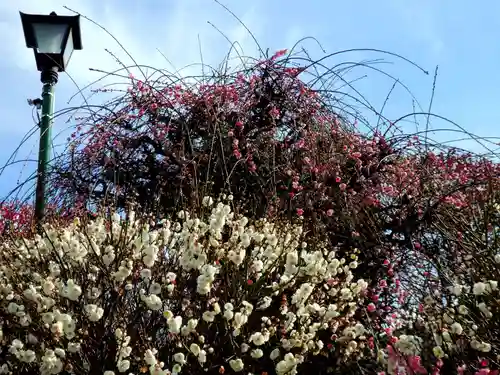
(256, 353)
(236, 364)
(181, 284)
(71, 290)
(264, 303)
(479, 288)
(176, 369)
(409, 345)
(74, 347)
(174, 324)
(438, 352)
(152, 301)
(123, 365)
(50, 363)
(94, 312)
(288, 365)
(259, 339)
(209, 316)
(206, 278)
(195, 349)
(456, 328)
(180, 358)
(207, 201)
(274, 354)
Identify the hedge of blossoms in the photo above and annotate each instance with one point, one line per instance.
(214, 294)
(227, 294)
(283, 150)
(285, 153)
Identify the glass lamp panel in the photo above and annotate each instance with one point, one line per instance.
(50, 37)
(68, 49)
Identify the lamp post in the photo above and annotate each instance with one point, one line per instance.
(53, 39)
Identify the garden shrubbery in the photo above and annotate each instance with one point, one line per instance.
(246, 223)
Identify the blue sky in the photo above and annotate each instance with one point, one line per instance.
(459, 36)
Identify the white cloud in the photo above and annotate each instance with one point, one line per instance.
(173, 29)
(177, 29)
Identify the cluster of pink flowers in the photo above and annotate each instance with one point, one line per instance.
(15, 216)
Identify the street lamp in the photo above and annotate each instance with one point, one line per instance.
(53, 39)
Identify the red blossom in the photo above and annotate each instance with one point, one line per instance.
(279, 53)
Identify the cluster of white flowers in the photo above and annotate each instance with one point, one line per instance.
(206, 278)
(289, 364)
(94, 312)
(452, 328)
(185, 278)
(467, 320)
(124, 350)
(409, 345)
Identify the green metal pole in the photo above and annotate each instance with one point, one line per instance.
(49, 79)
